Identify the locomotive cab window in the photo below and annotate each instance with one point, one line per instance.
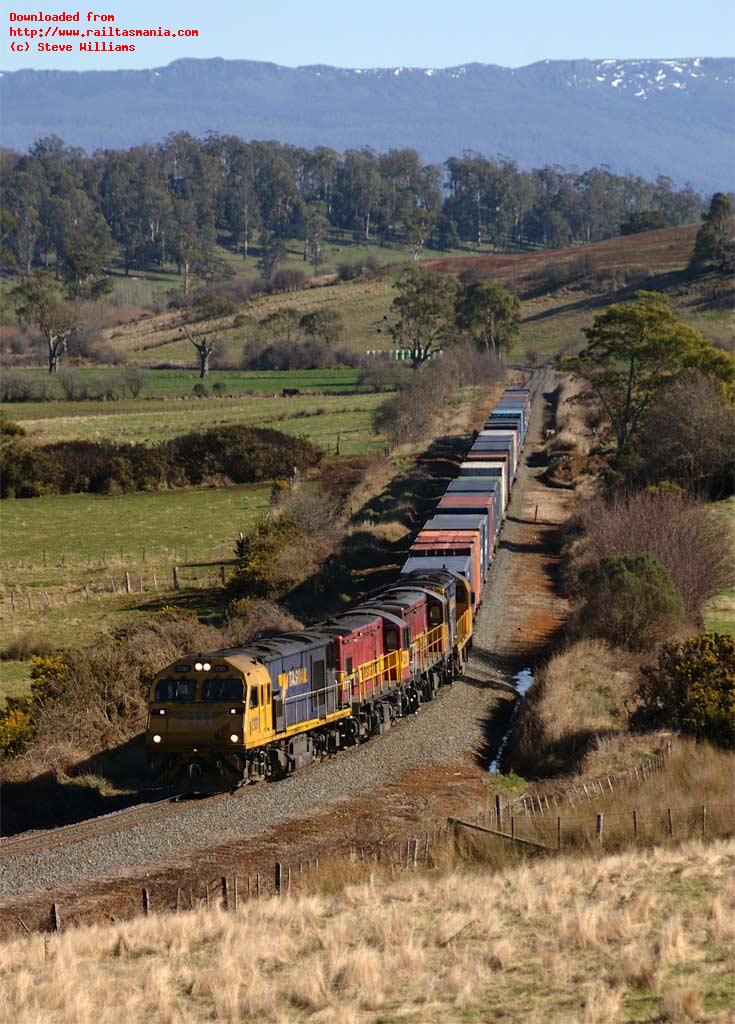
(175, 689)
(391, 639)
(253, 696)
(348, 666)
(222, 689)
(435, 614)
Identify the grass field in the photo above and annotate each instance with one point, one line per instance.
(61, 556)
(625, 939)
(321, 418)
(179, 383)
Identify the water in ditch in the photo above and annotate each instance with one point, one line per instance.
(523, 681)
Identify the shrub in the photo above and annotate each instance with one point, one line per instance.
(210, 305)
(218, 388)
(243, 454)
(299, 355)
(691, 689)
(16, 728)
(257, 575)
(200, 390)
(688, 539)
(287, 280)
(9, 428)
(630, 601)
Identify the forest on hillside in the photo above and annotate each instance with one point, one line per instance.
(176, 204)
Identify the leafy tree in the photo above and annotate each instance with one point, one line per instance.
(643, 220)
(39, 302)
(490, 315)
(316, 229)
(630, 600)
(8, 225)
(283, 324)
(272, 252)
(445, 235)
(424, 307)
(633, 352)
(326, 324)
(714, 241)
(692, 689)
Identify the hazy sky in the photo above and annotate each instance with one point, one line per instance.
(426, 33)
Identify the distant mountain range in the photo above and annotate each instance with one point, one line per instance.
(646, 117)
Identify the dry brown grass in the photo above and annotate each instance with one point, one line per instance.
(630, 937)
(578, 696)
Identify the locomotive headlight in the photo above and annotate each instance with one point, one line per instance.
(206, 666)
(161, 711)
(234, 738)
(156, 738)
(198, 667)
(233, 711)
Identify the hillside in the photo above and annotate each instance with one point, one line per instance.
(640, 936)
(561, 291)
(647, 117)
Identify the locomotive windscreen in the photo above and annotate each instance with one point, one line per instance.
(176, 689)
(222, 689)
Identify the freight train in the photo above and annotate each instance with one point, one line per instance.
(268, 708)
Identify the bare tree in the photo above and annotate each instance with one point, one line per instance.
(205, 349)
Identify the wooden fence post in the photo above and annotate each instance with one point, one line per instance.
(55, 918)
(599, 826)
(635, 823)
(176, 578)
(257, 886)
(512, 826)
(414, 852)
(671, 821)
(499, 810)
(146, 903)
(234, 893)
(127, 583)
(278, 878)
(558, 833)
(704, 818)
(225, 893)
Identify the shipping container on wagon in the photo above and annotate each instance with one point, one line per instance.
(459, 504)
(504, 431)
(508, 418)
(467, 521)
(498, 444)
(481, 453)
(486, 485)
(489, 467)
(461, 543)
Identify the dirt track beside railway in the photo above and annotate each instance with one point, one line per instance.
(402, 784)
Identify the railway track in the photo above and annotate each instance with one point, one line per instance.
(37, 842)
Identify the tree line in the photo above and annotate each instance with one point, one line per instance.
(170, 205)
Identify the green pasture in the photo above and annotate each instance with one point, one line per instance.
(322, 418)
(73, 530)
(61, 556)
(179, 383)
